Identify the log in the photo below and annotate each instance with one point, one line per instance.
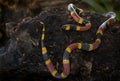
(22, 52)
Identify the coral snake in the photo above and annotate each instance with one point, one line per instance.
(84, 46)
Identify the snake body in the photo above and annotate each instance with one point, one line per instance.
(83, 46)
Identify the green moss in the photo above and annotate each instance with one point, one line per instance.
(103, 6)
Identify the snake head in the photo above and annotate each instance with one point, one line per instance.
(110, 20)
(111, 15)
(71, 7)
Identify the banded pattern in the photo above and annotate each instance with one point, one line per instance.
(50, 66)
(84, 46)
(74, 13)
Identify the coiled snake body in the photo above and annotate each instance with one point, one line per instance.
(84, 46)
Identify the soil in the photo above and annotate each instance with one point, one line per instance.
(21, 53)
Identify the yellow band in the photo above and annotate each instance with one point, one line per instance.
(43, 36)
(66, 61)
(54, 72)
(80, 21)
(81, 11)
(77, 28)
(98, 40)
(47, 61)
(91, 47)
(68, 50)
(63, 75)
(44, 50)
(79, 45)
(41, 22)
(67, 27)
(43, 29)
(100, 32)
(88, 24)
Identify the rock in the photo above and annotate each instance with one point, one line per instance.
(22, 53)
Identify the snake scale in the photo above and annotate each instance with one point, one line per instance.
(74, 11)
